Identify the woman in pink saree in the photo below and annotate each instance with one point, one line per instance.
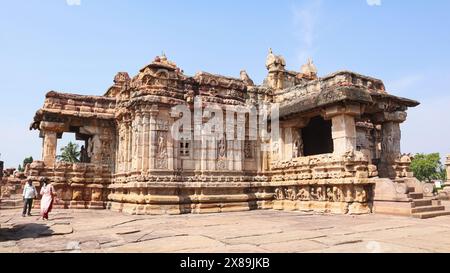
(48, 194)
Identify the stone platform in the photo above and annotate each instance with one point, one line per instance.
(242, 232)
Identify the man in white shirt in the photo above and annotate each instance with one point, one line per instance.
(29, 193)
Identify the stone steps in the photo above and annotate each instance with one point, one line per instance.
(415, 195)
(11, 204)
(421, 203)
(432, 214)
(427, 209)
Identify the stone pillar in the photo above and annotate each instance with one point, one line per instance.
(390, 141)
(170, 152)
(238, 155)
(447, 167)
(204, 154)
(288, 148)
(281, 151)
(49, 131)
(146, 142)
(153, 138)
(212, 153)
(129, 147)
(343, 127)
(133, 139)
(140, 140)
(49, 148)
(120, 149)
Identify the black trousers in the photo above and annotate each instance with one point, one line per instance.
(28, 204)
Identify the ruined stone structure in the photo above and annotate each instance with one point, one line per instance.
(444, 194)
(339, 136)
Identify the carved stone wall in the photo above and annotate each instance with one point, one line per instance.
(78, 186)
(325, 183)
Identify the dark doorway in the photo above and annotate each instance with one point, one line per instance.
(317, 137)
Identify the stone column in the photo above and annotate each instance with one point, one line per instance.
(153, 138)
(170, 152)
(49, 148)
(133, 143)
(238, 155)
(212, 153)
(120, 149)
(49, 131)
(343, 127)
(390, 141)
(281, 150)
(129, 147)
(288, 148)
(447, 166)
(146, 142)
(140, 140)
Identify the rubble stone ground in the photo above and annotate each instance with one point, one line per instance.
(243, 232)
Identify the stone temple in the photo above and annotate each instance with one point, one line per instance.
(337, 150)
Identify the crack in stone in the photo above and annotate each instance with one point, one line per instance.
(256, 235)
(376, 230)
(125, 222)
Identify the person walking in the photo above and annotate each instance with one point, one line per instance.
(29, 194)
(48, 194)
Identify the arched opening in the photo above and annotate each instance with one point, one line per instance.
(317, 138)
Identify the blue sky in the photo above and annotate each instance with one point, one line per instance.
(51, 45)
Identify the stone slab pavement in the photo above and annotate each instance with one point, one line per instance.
(242, 232)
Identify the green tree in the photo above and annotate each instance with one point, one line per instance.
(27, 161)
(428, 167)
(70, 153)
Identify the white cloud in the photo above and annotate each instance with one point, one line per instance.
(374, 2)
(73, 2)
(306, 18)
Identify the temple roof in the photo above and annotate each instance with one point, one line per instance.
(342, 86)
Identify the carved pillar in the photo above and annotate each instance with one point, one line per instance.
(153, 138)
(49, 148)
(120, 146)
(146, 142)
(129, 147)
(238, 155)
(140, 140)
(211, 153)
(170, 152)
(203, 145)
(390, 141)
(134, 145)
(281, 142)
(343, 127)
(288, 147)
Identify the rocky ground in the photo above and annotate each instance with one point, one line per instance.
(243, 232)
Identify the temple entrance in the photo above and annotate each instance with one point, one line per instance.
(317, 138)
